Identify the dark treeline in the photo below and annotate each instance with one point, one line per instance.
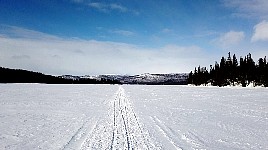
(230, 71)
(23, 76)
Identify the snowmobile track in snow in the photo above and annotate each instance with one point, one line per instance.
(120, 129)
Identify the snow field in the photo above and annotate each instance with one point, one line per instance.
(183, 117)
(39, 116)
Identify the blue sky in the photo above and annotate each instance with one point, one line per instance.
(128, 37)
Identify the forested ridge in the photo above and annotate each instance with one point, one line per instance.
(231, 71)
(24, 76)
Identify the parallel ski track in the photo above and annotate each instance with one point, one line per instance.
(120, 130)
(166, 132)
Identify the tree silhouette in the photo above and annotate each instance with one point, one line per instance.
(23, 76)
(230, 72)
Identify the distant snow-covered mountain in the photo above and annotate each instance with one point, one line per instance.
(147, 78)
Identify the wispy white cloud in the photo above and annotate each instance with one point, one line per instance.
(18, 32)
(260, 32)
(230, 38)
(123, 32)
(166, 30)
(77, 1)
(118, 7)
(99, 6)
(78, 57)
(206, 33)
(105, 7)
(248, 8)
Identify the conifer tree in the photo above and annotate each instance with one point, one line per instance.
(230, 72)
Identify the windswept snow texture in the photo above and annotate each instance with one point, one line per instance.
(39, 116)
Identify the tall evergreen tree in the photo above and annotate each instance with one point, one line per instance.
(230, 72)
(234, 75)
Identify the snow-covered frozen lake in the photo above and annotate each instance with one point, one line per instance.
(40, 116)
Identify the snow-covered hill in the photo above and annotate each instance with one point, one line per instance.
(150, 78)
(146, 78)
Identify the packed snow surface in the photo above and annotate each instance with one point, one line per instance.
(40, 116)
